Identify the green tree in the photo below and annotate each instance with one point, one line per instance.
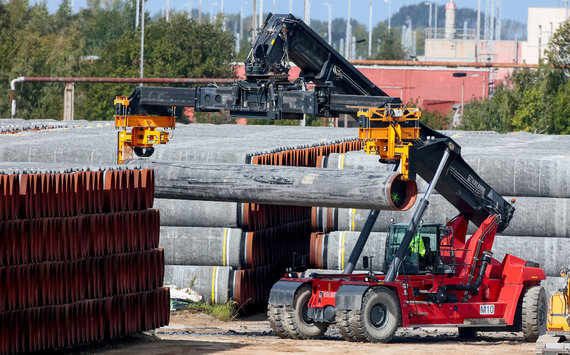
(181, 48)
(390, 46)
(532, 100)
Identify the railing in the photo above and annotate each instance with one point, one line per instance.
(451, 33)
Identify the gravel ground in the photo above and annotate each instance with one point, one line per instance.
(202, 334)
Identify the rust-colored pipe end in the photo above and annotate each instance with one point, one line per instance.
(401, 194)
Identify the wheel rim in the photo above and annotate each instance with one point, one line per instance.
(305, 313)
(378, 315)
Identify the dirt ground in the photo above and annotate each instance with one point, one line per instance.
(202, 334)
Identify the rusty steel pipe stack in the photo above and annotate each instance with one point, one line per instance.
(79, 257)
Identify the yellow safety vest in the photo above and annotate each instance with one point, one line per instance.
(418, 245)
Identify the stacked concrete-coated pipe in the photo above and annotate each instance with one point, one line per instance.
(535, 177)
(532, 168)
(231, 249)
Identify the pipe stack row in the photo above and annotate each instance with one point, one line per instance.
(79, 257)
(237, 251)
(531, 167)
(18, 125)
(535, 177)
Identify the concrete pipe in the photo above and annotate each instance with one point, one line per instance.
(190, 213)
(508, 175)
(247, 216)
(553, 284)
(232, 247)
(281, 185)
(330, 251)
(551, 253)
(203, 246)
(96, 144)
(534, 216)
(219, 284)
(214, 283)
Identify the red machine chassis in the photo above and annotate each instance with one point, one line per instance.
(493, 303)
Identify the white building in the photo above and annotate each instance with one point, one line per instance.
(541, 25)
(455, 44)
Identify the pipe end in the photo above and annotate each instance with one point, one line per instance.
(402, 194)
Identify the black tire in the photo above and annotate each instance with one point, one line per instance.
(344, 319)
(275, 317)
(467, 332)
(295, 320)
(533, 313)
(379, 316)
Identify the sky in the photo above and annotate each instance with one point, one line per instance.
(510, 9)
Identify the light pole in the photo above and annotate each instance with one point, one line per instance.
(200, 12)
(428, 3)
(370, 31)
(142, 41)
(308, 12)
(464, 75)
(167, 11)
(348, 32)
(260, 13)
(223, 18)
(241, 20)
(389, 13)
(354, 42)
(212, 11)
(137, 16)
(478, 30)
(435, 15)
(330, 22)
(290, 6)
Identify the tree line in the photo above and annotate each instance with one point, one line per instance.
(99, 41)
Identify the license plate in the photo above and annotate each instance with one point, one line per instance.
(487, 309)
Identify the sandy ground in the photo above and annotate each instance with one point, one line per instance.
(202, 334)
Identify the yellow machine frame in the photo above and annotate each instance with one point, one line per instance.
(558, 312)
(390, 140)
(139, 130)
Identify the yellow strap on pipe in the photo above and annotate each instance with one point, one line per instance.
(224, 247)
(214, 284)
(342, 252)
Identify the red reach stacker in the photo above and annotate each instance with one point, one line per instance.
(433, 275)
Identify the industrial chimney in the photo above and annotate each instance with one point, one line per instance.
(450, 19)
